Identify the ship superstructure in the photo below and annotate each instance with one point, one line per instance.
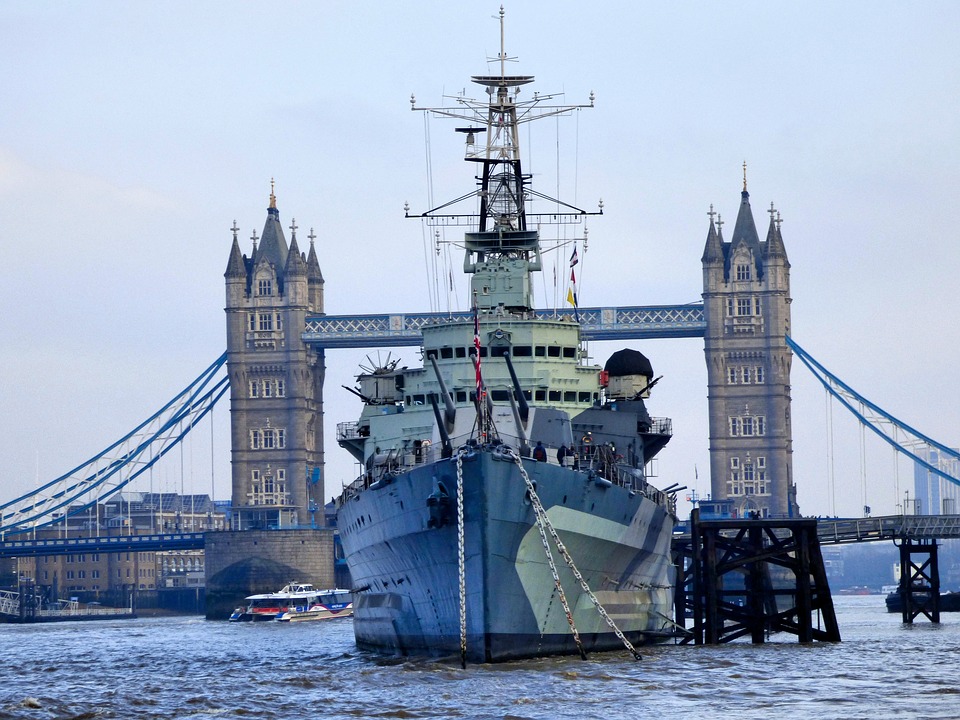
(506, 442)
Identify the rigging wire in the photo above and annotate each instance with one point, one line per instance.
(831, 485)
(424, 229)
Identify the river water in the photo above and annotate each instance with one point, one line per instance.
(187, 667)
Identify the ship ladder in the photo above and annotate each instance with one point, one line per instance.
(544, 524)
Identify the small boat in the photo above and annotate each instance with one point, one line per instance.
(949, 601)
(335, 603)
(295, 599)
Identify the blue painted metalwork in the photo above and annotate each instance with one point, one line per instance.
(601, 323)
(121, 543)
(848, 396)
(108, 472)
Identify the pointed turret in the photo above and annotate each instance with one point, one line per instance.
(775, 247)
(236, 268)
(296, 265)
(314, 277)
(273, 244)
(745, 231)
(713, 248)
(313, 264)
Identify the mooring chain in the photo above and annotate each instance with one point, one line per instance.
(543, 520)
(460, 562)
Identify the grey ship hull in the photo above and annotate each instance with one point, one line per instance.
(406, 567)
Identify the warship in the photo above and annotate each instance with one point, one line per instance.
(504, 509)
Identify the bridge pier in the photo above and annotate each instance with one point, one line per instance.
(752, 577)
(919, 580)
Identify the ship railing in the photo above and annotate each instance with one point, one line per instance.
(596, 461)
(661, 426)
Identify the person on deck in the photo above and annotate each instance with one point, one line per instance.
(540, 452)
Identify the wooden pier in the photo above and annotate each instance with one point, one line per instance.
(753, 577)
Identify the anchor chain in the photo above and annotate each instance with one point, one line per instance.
(544, 521)
(540, 513)
(460, 562)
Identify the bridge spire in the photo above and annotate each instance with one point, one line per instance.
(713, 248)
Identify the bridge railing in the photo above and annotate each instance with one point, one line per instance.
(889, 527)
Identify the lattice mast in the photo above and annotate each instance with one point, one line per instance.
(503, 251)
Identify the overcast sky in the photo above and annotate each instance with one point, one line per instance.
(132, 135)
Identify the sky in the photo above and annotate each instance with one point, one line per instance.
(132, 135)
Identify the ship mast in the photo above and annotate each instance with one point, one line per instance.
(502, 252)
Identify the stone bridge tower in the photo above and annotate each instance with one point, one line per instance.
(746, 303)
(276, 381)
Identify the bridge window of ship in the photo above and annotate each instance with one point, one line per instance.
(555, 395)
(461, 352)
(570, 396)
(553, 351)
(540, 351)
(569, 352)
(500, 395)
(461, 396)
(446, 353)
(522, 351)
(540, 395)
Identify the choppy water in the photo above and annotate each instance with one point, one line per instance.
(187, 667)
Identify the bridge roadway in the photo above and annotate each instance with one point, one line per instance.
(831, 531)
(603, 323)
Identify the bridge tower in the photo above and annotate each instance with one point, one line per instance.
(746, 305)
(276, 381)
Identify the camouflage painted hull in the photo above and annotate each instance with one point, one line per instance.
(400, 539)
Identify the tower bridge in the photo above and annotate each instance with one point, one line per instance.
(278, 332)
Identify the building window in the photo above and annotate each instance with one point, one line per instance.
(759, 373)
(252, 322)
(265, 287)
(268, 438)
(756, 307)
(267, 388)
(748, 375)
(743, 306)
(254, 388)
(743, 272)
(747, 426)
(269, 488)
(279, 319)
(280, 388)
(266, 322)
(729, 307)
(733, 375)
